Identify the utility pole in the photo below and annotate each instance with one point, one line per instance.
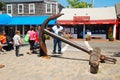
(92, 3)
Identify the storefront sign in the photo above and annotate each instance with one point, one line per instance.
(81, 18)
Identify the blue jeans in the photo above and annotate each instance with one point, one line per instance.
(17, 50)
(57, 41)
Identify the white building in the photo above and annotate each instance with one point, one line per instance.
(98, 21)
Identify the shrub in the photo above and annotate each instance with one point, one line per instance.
(47, 36)
(110, 35)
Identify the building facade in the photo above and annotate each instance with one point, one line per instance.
(32, 7)
(96, 21)
(29, 8)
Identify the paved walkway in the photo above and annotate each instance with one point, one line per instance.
(72, 65)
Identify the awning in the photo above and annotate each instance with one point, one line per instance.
(30, 20)
(71, 22)
(5, 19)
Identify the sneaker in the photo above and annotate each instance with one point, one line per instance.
(17, 55)
(54, 52)
(39, 55)
(60, 53)
(2, 51)
(29, 53)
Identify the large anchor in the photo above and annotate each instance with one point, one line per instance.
(95, 55)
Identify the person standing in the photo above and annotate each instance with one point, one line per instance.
(57, 29)
(32, 38)
(41, 52)
(17, 42)
(36, 44)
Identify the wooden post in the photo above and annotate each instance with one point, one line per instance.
(95, 60)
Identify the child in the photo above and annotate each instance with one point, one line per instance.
(17, 42)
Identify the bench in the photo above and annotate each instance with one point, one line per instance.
(96, 37)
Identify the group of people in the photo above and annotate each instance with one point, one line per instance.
(34, 40)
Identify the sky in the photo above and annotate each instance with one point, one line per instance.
(97, 3)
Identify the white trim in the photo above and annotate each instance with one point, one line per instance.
(57, 9)
(33, 8)
(11, 8)
(47, 8)
(21, 9)
(114, 31)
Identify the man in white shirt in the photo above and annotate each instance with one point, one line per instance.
(57, 29)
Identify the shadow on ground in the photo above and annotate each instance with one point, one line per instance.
(25, 44)
(116, 54)
(59, 56)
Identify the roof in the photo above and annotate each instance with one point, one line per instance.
(105, 13)
(6, 19)
(11, 1)
(30, 20)
(118, 9)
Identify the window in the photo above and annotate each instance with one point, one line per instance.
(48, 8)
(75, 30)
(20, 9)
(9, 9)
(31, 8)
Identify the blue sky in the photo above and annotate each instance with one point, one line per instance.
(97, 3)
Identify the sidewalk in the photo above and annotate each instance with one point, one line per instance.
(72, 65)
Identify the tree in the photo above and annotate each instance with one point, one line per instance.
(78, 4)
(2, 6)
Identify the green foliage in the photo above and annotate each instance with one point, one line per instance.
(2, 5)
(78, 4)
(110, 35)
(66, 37)
(47, 36)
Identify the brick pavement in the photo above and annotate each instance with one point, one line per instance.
(72, 65)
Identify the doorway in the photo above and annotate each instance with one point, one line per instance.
(80, 31)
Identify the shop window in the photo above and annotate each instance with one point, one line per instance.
(75, 30)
